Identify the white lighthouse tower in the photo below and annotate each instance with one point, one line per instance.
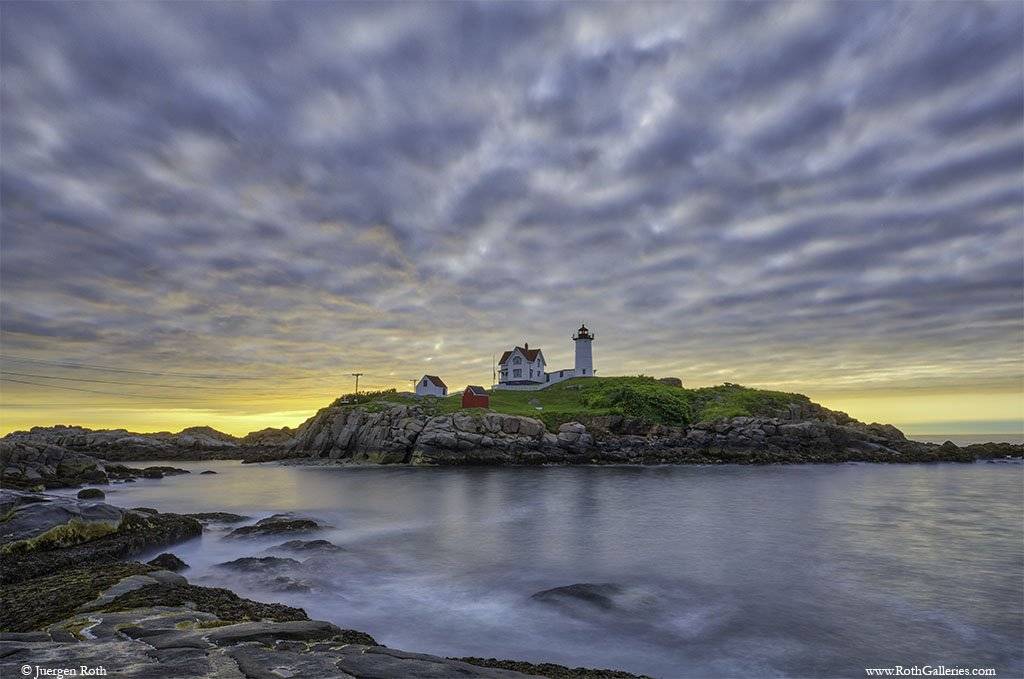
(584, 354)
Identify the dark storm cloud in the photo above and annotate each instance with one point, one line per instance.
(375, 184)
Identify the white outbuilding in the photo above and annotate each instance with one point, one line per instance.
(431, 385)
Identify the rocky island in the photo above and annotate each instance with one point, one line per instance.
(618, 420)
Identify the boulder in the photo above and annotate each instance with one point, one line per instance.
(276, 525)
(270, 572)
(35, 520)
(252, 564)
(588, 599)
(91, 494)
(599, 595)
(218, 517)
(309, 547)
(121, 472)
(169, 562)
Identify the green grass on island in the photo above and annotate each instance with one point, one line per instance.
(640, 397)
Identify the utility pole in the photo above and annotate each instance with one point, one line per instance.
(494, 371)
(357, 376)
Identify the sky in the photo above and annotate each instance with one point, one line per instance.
(214, 213)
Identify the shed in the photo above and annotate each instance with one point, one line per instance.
(431, 385)
(475, 397)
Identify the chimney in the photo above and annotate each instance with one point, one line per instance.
(526, 345)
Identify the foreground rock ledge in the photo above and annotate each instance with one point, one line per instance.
(128, 632)
(67, 601)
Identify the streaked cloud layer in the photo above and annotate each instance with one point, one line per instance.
(815, 197)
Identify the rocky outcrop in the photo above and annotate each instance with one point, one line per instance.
(406, 434)
(362, 435)
(807, 434)
(801, 432)
(35, 464)
(41, 534)
(491, 438)
(116, 444)
(28, 465)
(193, 443)
(269, 437)
(200, 437)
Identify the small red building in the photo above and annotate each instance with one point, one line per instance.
(475, 397)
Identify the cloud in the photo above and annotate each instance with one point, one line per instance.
(776, 190)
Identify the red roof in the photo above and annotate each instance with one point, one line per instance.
(531, 354)
(436, 380)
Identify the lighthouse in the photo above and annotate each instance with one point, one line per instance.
(584, 355)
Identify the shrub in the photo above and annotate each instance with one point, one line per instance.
(642, 398)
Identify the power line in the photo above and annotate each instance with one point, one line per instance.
(249, 391)
(249, 394)
(133, 371)
(198, 406)
(136, 399)
(95, 391)
(132, 384)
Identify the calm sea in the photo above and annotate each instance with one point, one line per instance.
(800, 571)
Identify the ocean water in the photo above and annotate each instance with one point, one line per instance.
(726, 571)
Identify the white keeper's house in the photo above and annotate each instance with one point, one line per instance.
(431, 385)
(524, 369)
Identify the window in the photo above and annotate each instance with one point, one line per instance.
(517, 360)
(424, 383)
(517, 372)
